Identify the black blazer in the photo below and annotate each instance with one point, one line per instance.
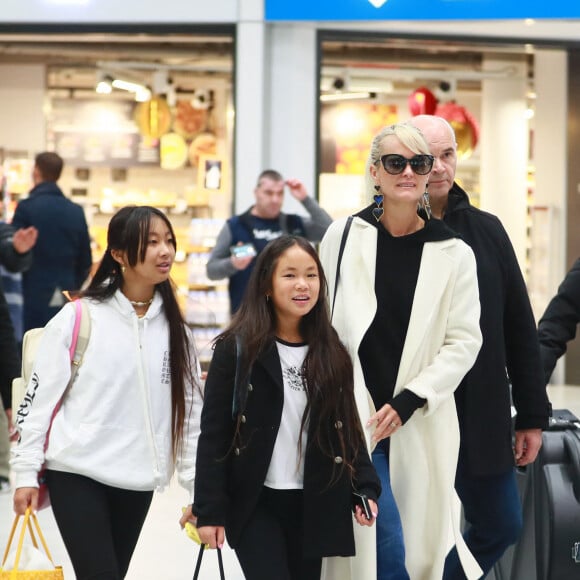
(230, 477)
(9, 351)
(510, 352)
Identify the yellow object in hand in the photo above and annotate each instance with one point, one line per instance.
(191, 530)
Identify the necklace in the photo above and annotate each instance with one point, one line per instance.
(139, 303)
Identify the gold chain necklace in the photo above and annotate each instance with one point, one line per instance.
(139, 303)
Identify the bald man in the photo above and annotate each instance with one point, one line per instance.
(485, 479)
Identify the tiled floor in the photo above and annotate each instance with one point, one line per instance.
(164, 552)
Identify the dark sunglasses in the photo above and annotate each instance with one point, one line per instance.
(395, 164)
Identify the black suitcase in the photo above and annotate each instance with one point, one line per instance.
(549, 548)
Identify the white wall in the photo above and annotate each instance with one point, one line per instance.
(251, 99)
(550, 160)
(504, 150)
(292, 119)
(550, 146)
(275, 105)
(22, 98)
(115, 11)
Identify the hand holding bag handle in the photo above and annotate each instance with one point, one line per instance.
(191, 531)
(198, 563)
(29, 519)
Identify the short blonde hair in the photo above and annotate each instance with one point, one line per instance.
(409, 135)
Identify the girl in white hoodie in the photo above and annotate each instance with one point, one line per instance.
(132, 414)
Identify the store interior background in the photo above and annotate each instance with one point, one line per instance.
(497, 82)
(118, 151)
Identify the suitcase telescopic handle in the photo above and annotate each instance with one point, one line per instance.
(572, 446)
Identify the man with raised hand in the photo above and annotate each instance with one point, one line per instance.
(246, 235)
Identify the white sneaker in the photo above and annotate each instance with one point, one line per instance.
(5, 485)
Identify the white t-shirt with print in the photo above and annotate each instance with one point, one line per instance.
(286, 469)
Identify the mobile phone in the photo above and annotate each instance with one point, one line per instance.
(362, 500)
(243, 251)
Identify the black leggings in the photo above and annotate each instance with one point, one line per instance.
(99, 524)
(272, 542)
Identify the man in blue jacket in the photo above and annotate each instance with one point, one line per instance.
(485, 479)
(62, 254)
(263, 222)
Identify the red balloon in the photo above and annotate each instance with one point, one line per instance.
(464, 124)
(422, 102)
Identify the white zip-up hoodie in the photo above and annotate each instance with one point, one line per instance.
(114, 425)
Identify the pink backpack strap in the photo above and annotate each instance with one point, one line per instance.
(72, 350)
(76, 329)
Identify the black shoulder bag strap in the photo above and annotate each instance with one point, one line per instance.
(340, 253)
(240, 382)
(198, 563)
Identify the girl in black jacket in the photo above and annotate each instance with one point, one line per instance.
(281, 447)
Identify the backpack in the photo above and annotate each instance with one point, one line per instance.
(31, 340)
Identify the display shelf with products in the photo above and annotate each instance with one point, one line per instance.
(16, 174)
(205, 302)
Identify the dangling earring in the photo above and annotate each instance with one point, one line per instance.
(378, 198)
(267, 298)
(123, 268)
(427, 204)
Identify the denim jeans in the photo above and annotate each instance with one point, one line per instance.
(493, 515)
(390, 545)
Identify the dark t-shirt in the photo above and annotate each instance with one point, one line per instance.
(264, 231)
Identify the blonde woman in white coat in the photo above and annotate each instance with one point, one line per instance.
(407, 308)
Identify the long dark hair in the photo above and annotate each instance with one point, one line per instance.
(328, 370)
(129, 232)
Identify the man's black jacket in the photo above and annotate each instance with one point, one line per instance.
(558, 324)
(510, 352)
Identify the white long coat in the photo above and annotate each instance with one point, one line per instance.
(442, 342)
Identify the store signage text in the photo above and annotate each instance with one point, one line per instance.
(330, 10)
